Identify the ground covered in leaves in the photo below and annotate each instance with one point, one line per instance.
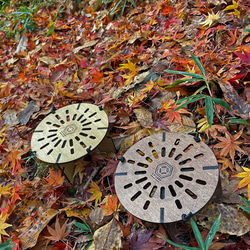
(56, 53)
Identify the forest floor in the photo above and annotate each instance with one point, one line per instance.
(58, 53)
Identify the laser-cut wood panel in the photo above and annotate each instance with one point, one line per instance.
(166, 176)
(70, 133)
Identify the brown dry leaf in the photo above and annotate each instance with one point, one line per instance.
(107, 237)
(74, 211)
(228, 186)
(160, 98)
(130, 140)
(232, 222)
(144, 116)
(59, 233)
(24, 116)
(237, 104)
(188, 125)
(29, 238)
(10, 117)
(96, 215)
(85, 45)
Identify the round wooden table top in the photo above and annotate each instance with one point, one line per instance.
(166, 176)
(69, 133)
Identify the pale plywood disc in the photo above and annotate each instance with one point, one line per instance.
(70, 133)
(166, 176)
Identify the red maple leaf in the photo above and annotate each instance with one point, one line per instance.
(169, 107)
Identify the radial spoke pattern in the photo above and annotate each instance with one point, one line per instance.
(166, 176)
(70, 133)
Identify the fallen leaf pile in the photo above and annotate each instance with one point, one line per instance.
(115, 54)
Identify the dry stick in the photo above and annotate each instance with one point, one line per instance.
(94, 172)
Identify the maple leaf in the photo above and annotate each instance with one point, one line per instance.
(244, 58)
(233, 7)
(210, 19)
(169, 107)
(56, 179)
(97, 76)
(130, 66)
(110, 168)
(245, 181)
(226, 163)
(59, 233)
(111, 205)
(14, 157)
(229, 144)
(149, 85)
(96, 192)
(79, 169)
(4, 190)
(3, 225)
(203, 124)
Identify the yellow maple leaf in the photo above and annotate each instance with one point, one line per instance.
(79, 169)
(233, 7)
(148, 86)
(132, 67)
(210, 19)
(96, 192)
(203, 124)
(4, 190)
(3, 225)
(245, 181)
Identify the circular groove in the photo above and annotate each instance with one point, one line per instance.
(69, 133)
(168, 175)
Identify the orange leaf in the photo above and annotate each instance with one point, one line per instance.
(96, 192)
(59, 233)
(111, 205)
(229, 144)
(169, 107)
(55, 178)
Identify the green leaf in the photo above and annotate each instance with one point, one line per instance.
(247, 202)
(239, 121)
(83, 226)
(209, 110)
(222, 103)
(183, 80)
(177, 245)
(197, 235)
(133, 3)
(197, 61)
(51, 29)
(123, 7)
(192, 99)
(114, 8)
(212, 232)
(7, 245)
(185, 73)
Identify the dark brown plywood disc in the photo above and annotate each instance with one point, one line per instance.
(70, 133)
(166, 176)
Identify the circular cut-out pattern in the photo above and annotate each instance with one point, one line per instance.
(166, 176)
(70, 133)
